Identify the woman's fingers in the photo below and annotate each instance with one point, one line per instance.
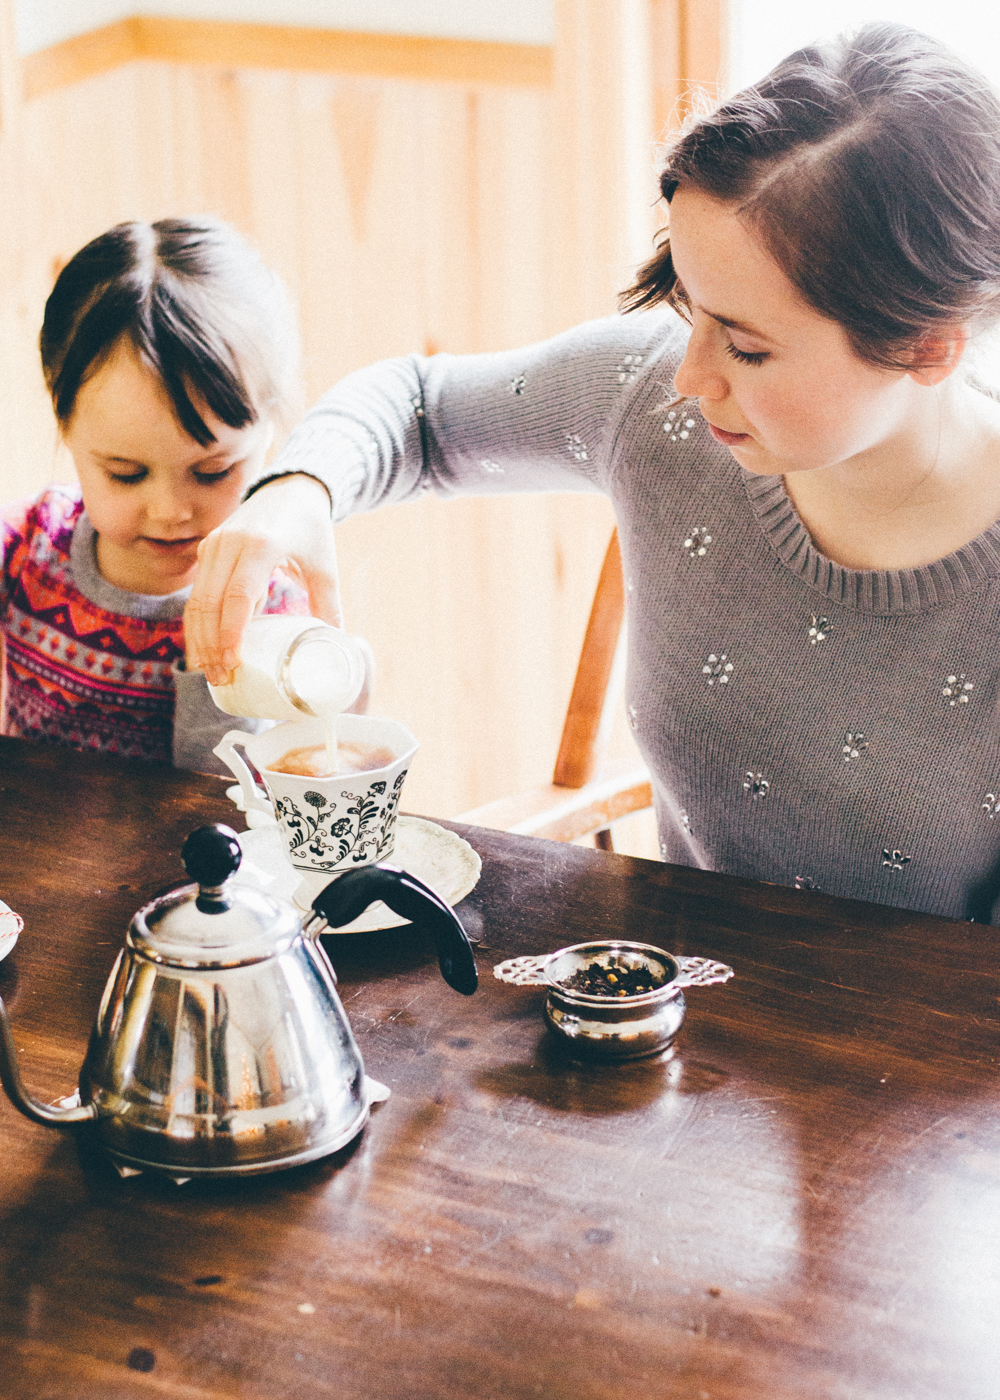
(233, 574)
(323, 586)
(286, 522)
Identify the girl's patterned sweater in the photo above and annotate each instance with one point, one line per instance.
(92, 666)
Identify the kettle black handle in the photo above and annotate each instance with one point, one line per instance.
(350, 895)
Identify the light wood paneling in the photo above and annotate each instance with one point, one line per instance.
(459, 209)
(230, 45)
(430, 228)
(690, 44)
(602, 135)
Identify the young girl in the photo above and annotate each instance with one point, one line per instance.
(805, 471)
(169, 351)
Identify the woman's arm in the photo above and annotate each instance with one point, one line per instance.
(535, 419)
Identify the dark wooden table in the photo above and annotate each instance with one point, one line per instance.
(804, 1202)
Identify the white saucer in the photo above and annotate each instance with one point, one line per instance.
(433, 854)
(11, 925)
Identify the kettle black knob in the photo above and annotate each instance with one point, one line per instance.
(211, 854)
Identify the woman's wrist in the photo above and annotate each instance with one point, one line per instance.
(291, 476)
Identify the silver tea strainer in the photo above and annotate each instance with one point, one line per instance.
(614, 999)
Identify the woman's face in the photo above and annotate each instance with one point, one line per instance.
(779, 384)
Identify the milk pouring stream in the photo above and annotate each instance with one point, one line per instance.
(294, 666)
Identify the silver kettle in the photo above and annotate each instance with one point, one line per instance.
(221, 1046)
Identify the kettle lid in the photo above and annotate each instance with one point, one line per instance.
(213, 923)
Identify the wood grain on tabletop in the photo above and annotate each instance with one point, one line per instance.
(804, 1202)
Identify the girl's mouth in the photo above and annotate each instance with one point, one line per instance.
(171, 546)
(729, 439)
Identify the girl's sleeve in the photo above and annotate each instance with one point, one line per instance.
(14, 542)
(540, 418)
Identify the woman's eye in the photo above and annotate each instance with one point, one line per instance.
(746, 357)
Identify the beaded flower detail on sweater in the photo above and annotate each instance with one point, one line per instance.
(697, 542)
(677, 425)
(894, 860)
(854, 745)
(955, 690)
(628, 368)
(717, 669)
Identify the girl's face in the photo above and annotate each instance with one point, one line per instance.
(779, 384)
(152, 493)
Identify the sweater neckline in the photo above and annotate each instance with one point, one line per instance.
(145, 607)
(868, 590)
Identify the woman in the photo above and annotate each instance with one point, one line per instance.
(811, 554)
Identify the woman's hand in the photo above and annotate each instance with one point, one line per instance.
(286, 523)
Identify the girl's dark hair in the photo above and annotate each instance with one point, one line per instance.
(869, 167)
(202, 310)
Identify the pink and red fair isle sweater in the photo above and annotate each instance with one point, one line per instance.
(92, 666)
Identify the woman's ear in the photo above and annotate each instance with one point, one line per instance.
(937, 354)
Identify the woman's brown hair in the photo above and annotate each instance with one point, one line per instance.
(201, 308)
(869, 167)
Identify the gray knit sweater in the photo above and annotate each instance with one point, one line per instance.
(803, 723)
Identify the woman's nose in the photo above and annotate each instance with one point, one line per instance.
(699, 376)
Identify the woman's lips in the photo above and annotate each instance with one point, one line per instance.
(730, 439)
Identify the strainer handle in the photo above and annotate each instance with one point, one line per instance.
(694, 972)
(522, 972)
(701, 972)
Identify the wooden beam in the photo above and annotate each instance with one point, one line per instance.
(233, 45)
(603, 133)
(705, 44)
(592, 702)
(690, 44)
(565, 814)
(10, 96)
(84, 56)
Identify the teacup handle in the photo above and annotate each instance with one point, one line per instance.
(255, 799)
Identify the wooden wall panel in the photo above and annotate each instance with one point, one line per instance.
(403, 217)
(406, 213)
(227, 44)
(690, 47)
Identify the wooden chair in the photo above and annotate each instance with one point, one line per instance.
(586, 795)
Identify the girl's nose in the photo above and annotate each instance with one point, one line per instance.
(699, 375)
(168, 507)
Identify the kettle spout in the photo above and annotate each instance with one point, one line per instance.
(10, 1077)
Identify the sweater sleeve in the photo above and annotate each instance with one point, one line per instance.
(199, 724)
(540, 418)
(14, 534)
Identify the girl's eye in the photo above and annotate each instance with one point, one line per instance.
(128, 478)
(207, 478)
(746, 357)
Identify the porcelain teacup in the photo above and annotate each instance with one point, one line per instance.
(331, 823)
